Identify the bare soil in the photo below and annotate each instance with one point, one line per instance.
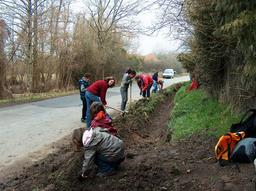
(153, 162)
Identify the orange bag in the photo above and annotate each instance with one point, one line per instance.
(226, 145)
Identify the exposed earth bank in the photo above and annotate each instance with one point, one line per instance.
(153, 161)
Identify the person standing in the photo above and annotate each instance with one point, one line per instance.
(155, 80)
(126, 81)
(84, 83)
(97, 92)
(144, 82)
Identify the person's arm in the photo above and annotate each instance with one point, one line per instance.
(87, 84)
(161, 84)
(127, 80)
(88, 163)
(145, 84)
(82, 87)
(103, 91)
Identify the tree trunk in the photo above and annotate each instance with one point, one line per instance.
(36, 72)
(3, 35)
(28, 59)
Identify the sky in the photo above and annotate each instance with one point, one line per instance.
(157, 42)
(145, 44)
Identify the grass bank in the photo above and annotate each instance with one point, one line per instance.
(31, 97)
(195, 112)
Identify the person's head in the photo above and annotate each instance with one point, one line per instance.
(77, 138)
(110, 81)
(87, 76)
(160, 81)
(132, 73)
(95, 108)
(128, 70)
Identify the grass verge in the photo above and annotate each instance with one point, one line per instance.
(195, 112)
(30, 97)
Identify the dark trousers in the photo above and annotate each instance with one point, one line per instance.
(124, 95)
(107, 166)
(84, 108)
(147, 92)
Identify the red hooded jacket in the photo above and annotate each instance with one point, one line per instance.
(146, 81)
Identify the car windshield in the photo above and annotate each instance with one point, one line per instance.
(168, 71)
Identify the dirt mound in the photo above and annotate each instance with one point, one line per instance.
(153, 162)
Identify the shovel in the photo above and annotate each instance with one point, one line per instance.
(123, 112)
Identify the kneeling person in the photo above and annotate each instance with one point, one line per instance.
(104, 150)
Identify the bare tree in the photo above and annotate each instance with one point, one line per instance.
(109, 17)
(172, 16)
(24, 17)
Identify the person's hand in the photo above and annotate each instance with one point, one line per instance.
(82, 177)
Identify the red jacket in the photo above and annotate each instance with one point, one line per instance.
(194, 85)
(103, 121)
(99, 88)
(146, 81)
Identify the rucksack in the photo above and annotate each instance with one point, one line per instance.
(245, 151)
(226, 145)
(247, 125)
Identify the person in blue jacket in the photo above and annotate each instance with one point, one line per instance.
(155, 80)
(84, 83)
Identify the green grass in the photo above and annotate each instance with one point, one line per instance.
(30, 97)
(195, 112)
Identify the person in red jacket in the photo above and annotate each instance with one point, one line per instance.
(97, 92)
(194, 85)
(144, 82)
(101, 119)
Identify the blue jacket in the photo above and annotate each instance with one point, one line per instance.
(82, 87)
(155, 76)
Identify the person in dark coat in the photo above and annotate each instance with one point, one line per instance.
(84, 83)
(155, 80)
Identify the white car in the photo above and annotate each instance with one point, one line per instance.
(168, 73)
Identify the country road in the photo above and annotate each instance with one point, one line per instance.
(28, 130)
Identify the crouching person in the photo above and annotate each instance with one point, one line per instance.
(104, 150)
(100, 118)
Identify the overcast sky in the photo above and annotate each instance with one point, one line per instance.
(155, 43)
(144, 44)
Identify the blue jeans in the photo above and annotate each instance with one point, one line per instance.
(147, 92)
(89, 99)
(154, 86)
(105, 165)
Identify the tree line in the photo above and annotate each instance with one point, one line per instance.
(44, 45)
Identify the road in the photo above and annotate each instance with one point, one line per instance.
(27, 130)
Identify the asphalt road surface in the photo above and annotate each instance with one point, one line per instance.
(30, 130)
